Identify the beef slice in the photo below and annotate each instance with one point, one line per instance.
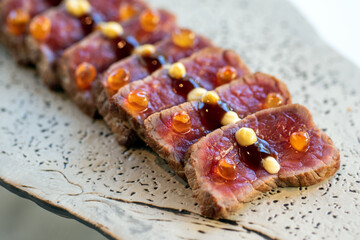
(99, 51)
(220, 198)
(201, 66)
(245, 96)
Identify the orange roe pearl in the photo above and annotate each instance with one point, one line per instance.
(118, 78)
(126, 12)
(226, 168)
(226, 74)
(183, 38)
(17, 21)
(273, 100)
(181, 122)
(149, 20)
(138, 100)
(40, 28)
(85, 74)
(300, 141)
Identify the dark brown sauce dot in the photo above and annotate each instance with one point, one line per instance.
(153, 62)
(53, 2)
(183, 86)
(211, 114)
(88, 22)
(252, 155)
(124, 46)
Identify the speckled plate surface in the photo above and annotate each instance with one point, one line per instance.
(55, 155)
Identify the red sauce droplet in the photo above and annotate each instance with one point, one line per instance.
(40, 28)
(183, 38)
(181, 122)
(138, 100)
(183, 86)
(118, 78)
(126, 12)
(273, 100)
(300, 141)
(85, 74)
(226, 169)
(153, 62)
(226, 74)
(17, 21)
(149, 20)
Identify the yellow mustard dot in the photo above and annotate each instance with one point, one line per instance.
(77, 8)
(111, 29)
(271, 165)
(210, 97)
(229, 118)
(145, 50)
(245, 136)
(196, 94)
(177, 70)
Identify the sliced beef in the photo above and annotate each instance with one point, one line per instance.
(102, 93)
(202, 67)
(66, 30)
(15, 41)
(101, 52)
(244, 96)
(219, 198)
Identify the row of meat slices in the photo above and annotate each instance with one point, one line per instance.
(229, 133)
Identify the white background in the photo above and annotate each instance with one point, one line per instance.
(337, 22)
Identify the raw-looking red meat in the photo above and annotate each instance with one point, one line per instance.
(219, 198)
(102, 93)
(16, 43)
(66, 30)
(202, 66)
(100, 51)
(244, 96)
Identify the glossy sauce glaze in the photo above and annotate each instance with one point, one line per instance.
(253, 155)
(153, 62)
(124, 46)
(89, 22)
(53, 2)
(211, 114)
(184, 85)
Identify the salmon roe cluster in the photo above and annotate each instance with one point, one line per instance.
(126, 12)
(226, 169)
(40, 28)
(138, 100)
(118, 78)
(149, 20)
(17, 21)
(85, 74)
(183, 38)
(273, 100)
(181, 122)
(226, 74)
(300, 141)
